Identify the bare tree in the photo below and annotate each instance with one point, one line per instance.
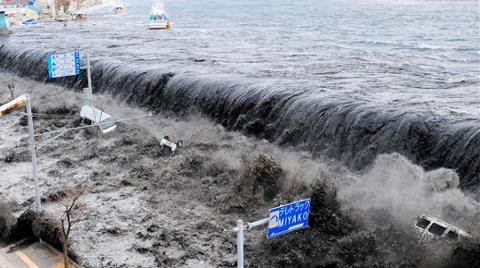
(11, 88)
(65, 4)
(73, 213)
(79, 3)
(58, 4)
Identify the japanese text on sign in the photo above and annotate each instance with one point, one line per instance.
(289, 217)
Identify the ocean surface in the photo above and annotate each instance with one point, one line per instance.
(422, 56)
(346, 79)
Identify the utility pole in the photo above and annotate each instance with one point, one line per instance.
(31, 139)
(25, 100)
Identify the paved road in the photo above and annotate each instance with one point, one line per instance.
(35, 255)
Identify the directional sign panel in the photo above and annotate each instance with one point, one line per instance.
(61, 65)
(289, 217)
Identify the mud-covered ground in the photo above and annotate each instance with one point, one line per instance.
(144, 207)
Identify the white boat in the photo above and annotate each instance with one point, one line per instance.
(158, 17)
(120, 8)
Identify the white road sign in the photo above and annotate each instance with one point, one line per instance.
(61, 65)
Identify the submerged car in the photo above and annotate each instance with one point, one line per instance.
(94, 116)
(429, 227)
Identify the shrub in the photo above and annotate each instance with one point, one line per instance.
(7, 221)
(356, 248)
(47, 229)
(262, 171)
(325, 211)
(466, 253)
(25, 223)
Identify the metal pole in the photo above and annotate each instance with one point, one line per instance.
(251, 225)
(89, 77)
(33, 153)
(239, 230)
(239, 244)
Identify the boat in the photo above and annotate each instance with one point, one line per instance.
(158, 18)
(29, 22)
(120, 8)
(29, 16)
(46, 11)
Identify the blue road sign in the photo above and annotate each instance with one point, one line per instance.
(289, 217)
(61, 65)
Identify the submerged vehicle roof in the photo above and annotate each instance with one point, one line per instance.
(444, 224)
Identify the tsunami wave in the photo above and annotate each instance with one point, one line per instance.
(354, 132)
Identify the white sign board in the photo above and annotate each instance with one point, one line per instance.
(61, 65)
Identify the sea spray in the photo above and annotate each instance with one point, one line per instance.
(407, 191)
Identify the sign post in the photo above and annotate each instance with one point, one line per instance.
(22, 101)
(240, 243)
(89, 78)
(282, 219)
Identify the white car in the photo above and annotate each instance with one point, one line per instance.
(98, 117)
(429, 227)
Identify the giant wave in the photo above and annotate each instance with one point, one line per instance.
(354, 132)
